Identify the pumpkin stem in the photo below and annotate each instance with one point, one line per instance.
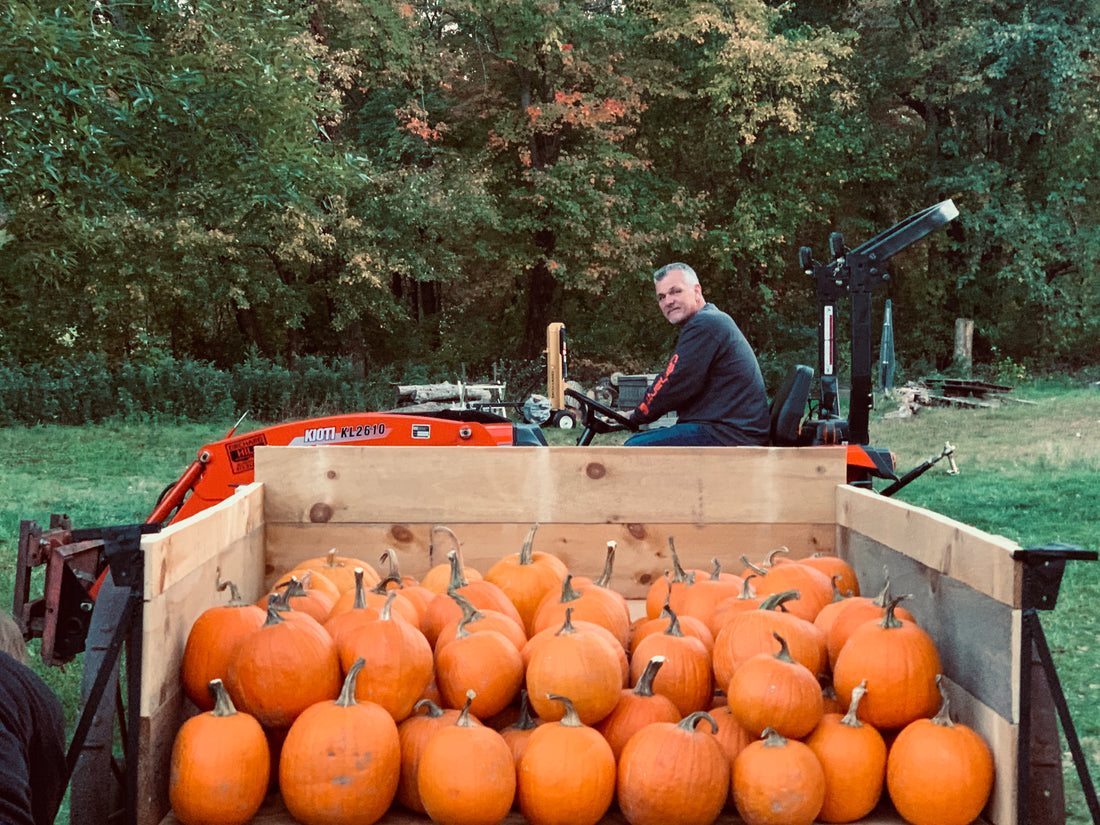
(571, 719)
(347, 692)
(464, 720)
(851, 718)
(387, 608)
(775, 600)
(688, 722)
(434, 710)
(469, 614)
(773, 739)
(784, 654)
(330, 558)
(835, 580)
(889, 621)
(526, 721)
(769, 560)
(223, 704)
(645, 681)
(568, 592)
(609, 562)
(943, 715)
(678, 574)
(441, 528)
(673, 628)
(567, 626)
(527, 552)
(468, 607)
(883, 597)
(383, 585)
(458, 578)
(390, 557)
(360, 590)
(716, 573)
(295, 587)
(828, 690)
(275, 608)
(235, 599)
(760, 571)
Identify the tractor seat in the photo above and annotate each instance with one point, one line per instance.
(789, 406)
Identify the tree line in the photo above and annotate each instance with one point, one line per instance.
(430, 183)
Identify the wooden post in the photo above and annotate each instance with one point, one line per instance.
(964, 345)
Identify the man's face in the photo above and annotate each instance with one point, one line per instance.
(677, 299)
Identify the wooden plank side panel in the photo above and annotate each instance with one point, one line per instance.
(641, 553)
(226, 542)
(565, 485)
(953, 549)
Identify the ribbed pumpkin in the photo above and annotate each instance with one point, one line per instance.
(814, 587)
(669, 773)
(637, 708)
(341, 761)
(219, 765)
(282, 668)
(340, 570)
(853, 756)
(475, 620)
(725, 610)
(835, 568)
(438, 578)
(590, 603)
(939, 772)
(686, 676)
(482, 594)
(566, 775)
(486, 662)
(577, 663)
(703, 596)
(467, 775)
(414, 733)
(528, 577)
(751, 632)
(900, 662)
(399, 663)
(778, 781)
(774, 691)
(343, 621)
(669, 587)
(857, 611)
(211, 642)
(550, 632)
(689, 626)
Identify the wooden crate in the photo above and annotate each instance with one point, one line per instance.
(715, 502)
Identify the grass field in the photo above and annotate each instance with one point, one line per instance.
(1028, 471)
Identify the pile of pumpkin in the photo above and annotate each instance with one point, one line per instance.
(783, 693)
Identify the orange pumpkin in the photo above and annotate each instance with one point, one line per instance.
(533, 643)
(725, 610)
(283, 668)
(414, 733)
(939, 772)
(219, 765)
(438, 578)
(486, 662)
(730, 735)
(340, 570)
(566, 775)
(342, 621)
(518, 734)
(689, 625)
(703, 596)
(778, 781)
(686, 676)
(900, 662)
(341, 761)
(669, 588)
(637, 708)
(482, 594)
(398, 658)
(528, 577)
(475, 620)
(853, 757)
(590, 603)
(211, 642)
(856, 611)
(669, 772)
(774, 691)
(467, 775)
(814, 587)
(578, 663)
(836, 569)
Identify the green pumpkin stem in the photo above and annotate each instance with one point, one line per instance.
(568, 592)
(673, 628)
(223, 704)
(776, 600)
(434, 710)
(644, 687)
(570, 719)
(235, 599)
(784, 654)
(943, 715)
(527, 552)
(525, 721)
(458, 577)
(567, 626)
(347, 692)
(688, 722)
(889, 621)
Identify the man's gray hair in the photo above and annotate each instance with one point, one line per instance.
(690, 278)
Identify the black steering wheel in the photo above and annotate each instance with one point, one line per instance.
(598, 418)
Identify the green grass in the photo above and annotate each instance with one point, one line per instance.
(1030, 472)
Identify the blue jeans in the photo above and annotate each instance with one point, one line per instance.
(678, 435)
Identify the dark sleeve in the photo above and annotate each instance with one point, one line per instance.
(683, 378)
